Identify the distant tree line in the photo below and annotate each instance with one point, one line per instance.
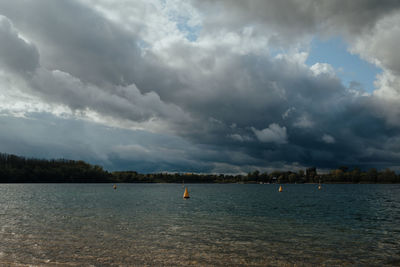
(15, 169)
(340, 175)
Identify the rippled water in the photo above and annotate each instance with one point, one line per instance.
(220, 225)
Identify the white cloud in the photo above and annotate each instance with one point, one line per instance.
(323, 69)
(287, 113)
(328, 139)
(293, 56)
(240, 138)
(387, 97)
(304, 122)
(273, 134)
(380, 46)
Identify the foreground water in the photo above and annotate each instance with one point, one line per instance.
(220, 225)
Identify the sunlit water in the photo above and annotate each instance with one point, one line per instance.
(220, 225)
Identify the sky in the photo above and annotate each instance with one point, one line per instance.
(202, 86)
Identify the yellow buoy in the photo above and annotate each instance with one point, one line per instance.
(186, 194)
(115, 186)
(280, 188)
(319, 187)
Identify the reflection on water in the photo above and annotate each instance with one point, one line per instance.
(220, 225)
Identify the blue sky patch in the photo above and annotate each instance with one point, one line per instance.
(348, 67)
(191, 32)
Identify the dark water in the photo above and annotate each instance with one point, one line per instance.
(220, 225)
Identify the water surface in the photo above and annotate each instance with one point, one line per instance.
(220, 225)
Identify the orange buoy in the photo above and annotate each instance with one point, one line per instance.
(115, 186)
(280, 188)
(186, 194)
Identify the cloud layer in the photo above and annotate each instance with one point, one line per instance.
(223, 83)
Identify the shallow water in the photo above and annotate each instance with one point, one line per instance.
(220, 225)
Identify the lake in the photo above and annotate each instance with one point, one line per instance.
(220, 225)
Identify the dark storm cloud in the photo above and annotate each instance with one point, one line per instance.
(87, 61)
(249, 94)
(226, 108)
(77, 40)
(291, 19)
(119, 150)
(117, 101)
